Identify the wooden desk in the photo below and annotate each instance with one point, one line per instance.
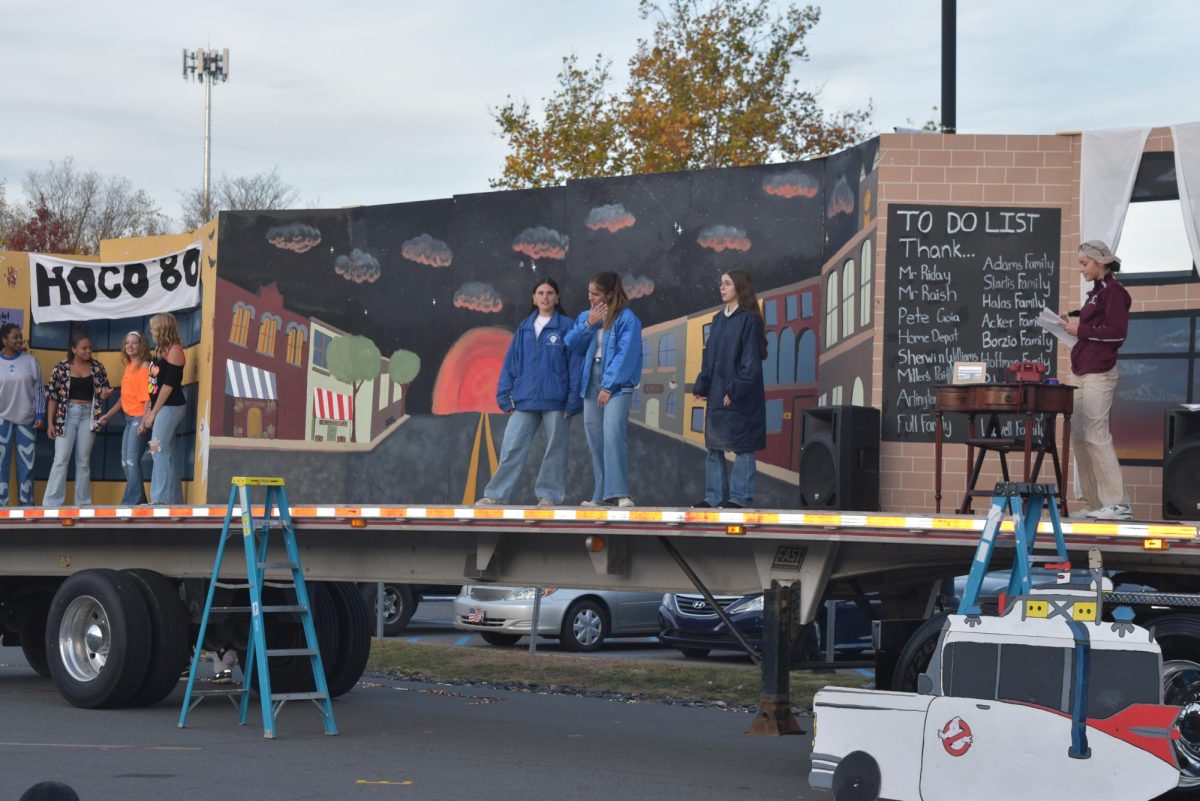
(1025, 399)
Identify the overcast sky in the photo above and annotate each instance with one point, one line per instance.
(380, 102)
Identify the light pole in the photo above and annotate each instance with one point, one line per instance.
(206, 66)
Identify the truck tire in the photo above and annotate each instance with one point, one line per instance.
(584, 626)
(856, 778)
(695, 653)
(499, 640)
(169, 644)
(33, 633)
(1179, 637)
(293, 674)
(916, 653)
(96, 633)
(354, 635)
(399, 604)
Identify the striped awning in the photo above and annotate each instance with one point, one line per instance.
(329, 405)
(244, 381)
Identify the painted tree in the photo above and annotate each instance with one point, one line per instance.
(712, 88)
(353, 360)
(403, 367)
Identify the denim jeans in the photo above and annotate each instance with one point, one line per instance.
(551, 480)
(165, 486)
(133, 445)
(18, 438)
(77, 437)
(720, 487)
(605, 429)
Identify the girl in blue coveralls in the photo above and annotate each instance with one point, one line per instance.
(731, 381)
(539, 386)
(609, 336)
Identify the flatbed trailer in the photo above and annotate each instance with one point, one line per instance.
(798, 559)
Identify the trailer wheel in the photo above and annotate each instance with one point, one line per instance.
(170, 644)
(354, 634)
(1179, 637)
(293, 674)
(96, 633)
(33, 633)
(917, 652)
(856, 778)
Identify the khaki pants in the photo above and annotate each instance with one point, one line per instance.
(1092, 443)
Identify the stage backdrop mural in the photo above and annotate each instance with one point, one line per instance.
(366, 342)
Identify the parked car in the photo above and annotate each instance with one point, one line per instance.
(400, 602)
(581, 619)
(688, 622)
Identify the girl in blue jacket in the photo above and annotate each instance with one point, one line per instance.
(539, 386)
(731, 380)
(609, 337)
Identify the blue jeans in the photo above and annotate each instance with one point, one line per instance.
(24, 446)
(133, 445)
(77, 437)
(165, 486)
(720, 487)
(605, 429)
(552, 477)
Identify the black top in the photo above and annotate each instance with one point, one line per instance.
(81, 389)
(165, 374)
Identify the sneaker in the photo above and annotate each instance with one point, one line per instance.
(546, 502)
(625, 502)
(702, 505)
(1116, 511)
(485, 501)
(590, 503)
(732, 505)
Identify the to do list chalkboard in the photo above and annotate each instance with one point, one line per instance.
(964, 283)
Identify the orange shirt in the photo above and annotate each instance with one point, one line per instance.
(135, 389)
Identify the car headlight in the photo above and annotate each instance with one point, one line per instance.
(754, 604)
(527, 593)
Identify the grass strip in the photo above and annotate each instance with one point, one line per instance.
(557, 672)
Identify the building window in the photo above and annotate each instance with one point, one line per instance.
(832, 298)
(787, 356)
(849, 293)
(268, 327)
(835, 397)
(769, 315)
(645, 353)
(1153, 237)
(771, 363)
(857, 396)
(1159, 364)
(672, 404)
(865, 289)
(697, 423)
(806, 305)
(296, 340)
(239, 330)
(707, 332)
(321, 342)
(666, 351)
(790, 308)
(636, 401)
(806, 357)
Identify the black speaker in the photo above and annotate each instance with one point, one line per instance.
(839, 462)
(1181, 465)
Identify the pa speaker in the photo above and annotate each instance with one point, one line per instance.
(1181, 465)
(839, 461)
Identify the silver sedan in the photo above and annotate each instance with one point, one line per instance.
(581, 619)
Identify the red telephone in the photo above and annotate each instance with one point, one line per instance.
(1026, 371)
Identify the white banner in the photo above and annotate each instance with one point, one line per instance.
(84, 290)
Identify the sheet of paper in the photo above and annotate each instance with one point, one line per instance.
(1054, 324)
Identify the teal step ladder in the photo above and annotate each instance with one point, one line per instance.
(276, 516)
(1007, 499)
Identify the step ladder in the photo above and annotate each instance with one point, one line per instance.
(1024, 502)
(255, 540)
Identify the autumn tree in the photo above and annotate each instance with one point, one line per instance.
(90, 206)
(353, 360)
(713, 87)
(43, 232)
(261, 191)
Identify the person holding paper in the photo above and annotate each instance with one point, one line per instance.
(1101, 326)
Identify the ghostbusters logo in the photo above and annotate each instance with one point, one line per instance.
(956, 737)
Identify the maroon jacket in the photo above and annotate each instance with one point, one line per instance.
(1103, 324)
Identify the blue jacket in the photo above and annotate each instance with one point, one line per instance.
(732, 366)
(540, 374)
(622, 352)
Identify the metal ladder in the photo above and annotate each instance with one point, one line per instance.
(275, 516)
(1007, 498)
